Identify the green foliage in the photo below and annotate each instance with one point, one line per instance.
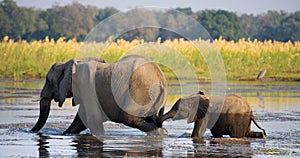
(220, 23)
(16, 21)
(273, 25)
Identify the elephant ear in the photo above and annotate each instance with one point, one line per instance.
(193, 108)
(84, 94)
(186, 108)
(65, 83)
(202, 108)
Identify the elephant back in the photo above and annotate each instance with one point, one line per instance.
(235, 104)
(137, 85)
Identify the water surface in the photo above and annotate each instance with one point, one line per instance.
(276, 107)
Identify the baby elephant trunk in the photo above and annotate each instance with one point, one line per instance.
(168, 115)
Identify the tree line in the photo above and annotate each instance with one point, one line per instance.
(76, 20)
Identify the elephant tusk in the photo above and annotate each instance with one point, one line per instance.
(37, 100)
(73, 102)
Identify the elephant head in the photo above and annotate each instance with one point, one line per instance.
(58, 87)
(193, 107)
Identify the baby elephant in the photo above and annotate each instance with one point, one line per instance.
(234, 119)
(193, 107)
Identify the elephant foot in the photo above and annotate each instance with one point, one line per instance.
(76, 126)
(155, 118)
(198, 140)
(215, 135)
(252, 134)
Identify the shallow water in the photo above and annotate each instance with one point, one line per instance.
(276, 107)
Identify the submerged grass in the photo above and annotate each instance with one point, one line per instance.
(242, 59)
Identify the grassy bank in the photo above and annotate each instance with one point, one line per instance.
(242, 59)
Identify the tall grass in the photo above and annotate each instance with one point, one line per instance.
(242, 59)
(22, 59)
(245, 58)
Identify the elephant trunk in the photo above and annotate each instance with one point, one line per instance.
(168, 115)
(44, 113)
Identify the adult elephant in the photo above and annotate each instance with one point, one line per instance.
(232, 118)
(130, 91)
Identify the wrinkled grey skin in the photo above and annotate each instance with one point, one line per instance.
(235, 118)
(58, 87)
(193, 107)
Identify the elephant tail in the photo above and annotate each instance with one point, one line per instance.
(253, 119)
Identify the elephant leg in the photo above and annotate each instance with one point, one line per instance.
(237, 131)
(76, 127)
(155, 117)
(138, 122)
(197, 126)
(218, 130)
(217, 135)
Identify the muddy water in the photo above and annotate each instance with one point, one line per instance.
(276, 107)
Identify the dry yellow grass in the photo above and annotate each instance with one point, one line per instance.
(242, 59)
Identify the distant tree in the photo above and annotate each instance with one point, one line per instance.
(5, 26)
(147, 33)
(169, 19)
(16, 20)
(19, 22)
(269, 24)
(249, 25)
(289, 28)
(34, 24)
(76, 20)
(104, 13)
(52, 18)
(220, 23)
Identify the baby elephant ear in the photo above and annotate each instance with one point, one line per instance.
(187, 108)
(65, 83)
(198, 108)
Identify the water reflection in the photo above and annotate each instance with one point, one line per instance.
(87, 145)
(224, 147)
(43, 145)
(145, 146)
(261, 100)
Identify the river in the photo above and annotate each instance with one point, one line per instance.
(276, 106)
